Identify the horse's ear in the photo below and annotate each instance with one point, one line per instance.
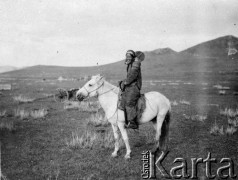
(99, 76)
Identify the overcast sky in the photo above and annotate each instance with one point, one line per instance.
(84, 32)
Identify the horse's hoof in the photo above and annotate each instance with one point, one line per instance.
(114, 155)
(127, 156)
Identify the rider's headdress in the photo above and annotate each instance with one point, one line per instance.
(132, 53)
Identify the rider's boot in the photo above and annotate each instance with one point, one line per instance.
(131, 118)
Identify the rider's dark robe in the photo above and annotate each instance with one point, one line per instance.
(133, 83)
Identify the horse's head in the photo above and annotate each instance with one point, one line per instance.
(91, 88)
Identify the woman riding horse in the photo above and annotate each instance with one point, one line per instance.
(131, 87)
(157, 111)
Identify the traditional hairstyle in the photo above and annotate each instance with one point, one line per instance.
(140, 55)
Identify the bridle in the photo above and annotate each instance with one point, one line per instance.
(88, 92)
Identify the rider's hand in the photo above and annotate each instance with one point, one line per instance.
(121, 85)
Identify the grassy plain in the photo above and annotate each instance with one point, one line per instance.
(37, 147)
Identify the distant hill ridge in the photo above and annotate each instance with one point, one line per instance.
(207, 57)
(162, 51)
(218, 47)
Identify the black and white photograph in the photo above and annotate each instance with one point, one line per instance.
(118, 89)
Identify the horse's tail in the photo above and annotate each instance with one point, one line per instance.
(165, 131)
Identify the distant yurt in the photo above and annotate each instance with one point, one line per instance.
(61, 78)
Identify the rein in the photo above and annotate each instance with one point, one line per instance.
(96, 90)
(105, 92)
(92, 90)
(100, 95)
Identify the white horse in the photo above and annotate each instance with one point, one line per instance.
(157, 110)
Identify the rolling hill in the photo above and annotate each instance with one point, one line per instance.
(207, 57)
(162, 51)
(214, 48)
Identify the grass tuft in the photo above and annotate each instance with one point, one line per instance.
(230, 130)
(41, 113)
(216, 130)
(91, 139)
(233, 122)
(187, 117)
(222, 92)
(197, 117)
(88, 106)
(9, 125)
(184, 102)
(35, 114)
(97, 120)
(23, 99)
(221, 87)
(230, 113)
(77, 141)
(201, 118)
(85, 106)
(174, 103)
(107, 141)
(84, 141)
(21, 113)
(68, 105)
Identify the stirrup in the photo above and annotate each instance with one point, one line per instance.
(132, 126)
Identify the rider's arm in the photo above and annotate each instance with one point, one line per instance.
(133, 74)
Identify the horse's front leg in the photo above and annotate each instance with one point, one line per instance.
(125, 138)
(116, 136)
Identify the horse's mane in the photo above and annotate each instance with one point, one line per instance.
(114, 88)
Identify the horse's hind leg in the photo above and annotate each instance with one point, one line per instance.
(116, 136)
(158, 125)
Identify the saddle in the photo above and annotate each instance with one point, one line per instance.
(140, 106)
